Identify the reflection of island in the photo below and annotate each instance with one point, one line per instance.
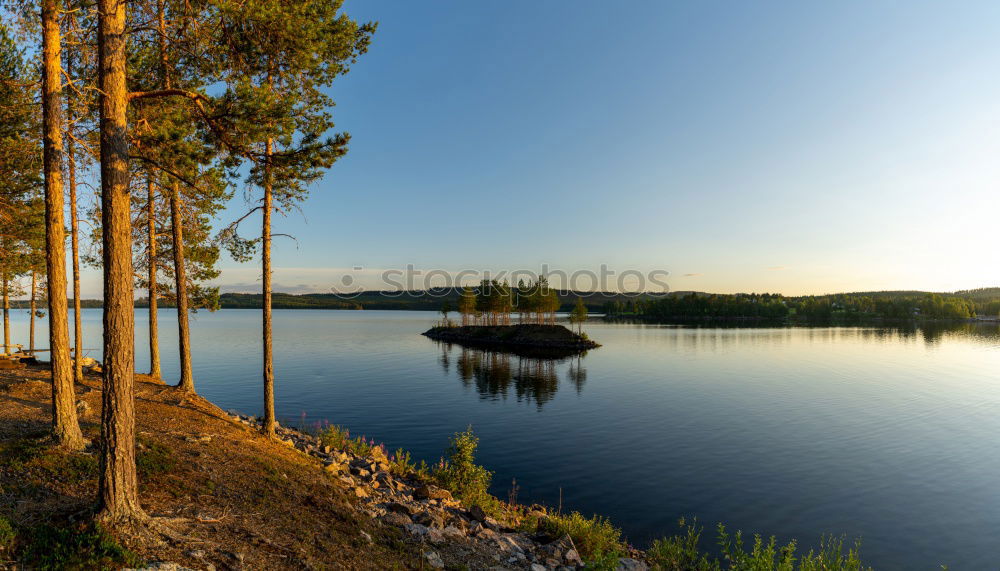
(497, 374)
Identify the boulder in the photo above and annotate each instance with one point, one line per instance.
(400, 508)
(396, 519)
(430, 519)
(434, 560)
(477, 513)
(427, 492)
(628, 564)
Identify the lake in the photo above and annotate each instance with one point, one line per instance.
(885, 434)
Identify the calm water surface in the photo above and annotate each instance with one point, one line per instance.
(885, 434)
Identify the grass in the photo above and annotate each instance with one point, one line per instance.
(340, 438)
(153, 459)
(86, 547)
(682, 553)
(595, 538)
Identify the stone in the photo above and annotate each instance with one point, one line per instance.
(537, 567)
(360, 492)
(477, 513)
(416, 530)
(453, 533)
(427, 492)
(334, 468)
(430, 519)
(628, 564)
(197, 553)
(434, 560)
(82, 408)
(400, 508)
(396, 519)
(360, 472)
(367, 537)
(572, 556)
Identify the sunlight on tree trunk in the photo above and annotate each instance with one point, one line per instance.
(118, 498)
(65, 427)
(154, 330)
(180, 289)
(268, 426)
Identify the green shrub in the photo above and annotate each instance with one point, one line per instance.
(78, 548)
(154, 459)
(460, 474)
(595, 537)
(7, 533)
(680, 552)
(402, 464)
(340, 438)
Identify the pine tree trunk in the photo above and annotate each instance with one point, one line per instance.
(154, 328)
(118, 492)
(65, 427)
(180, 288)
(32, 308)
(75, 246)
(268, 426)
(6, 315)
(74, 225)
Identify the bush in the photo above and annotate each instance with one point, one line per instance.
(340, 438)
(7, 533)
(680, 552)
(460, 474)
(595, 538)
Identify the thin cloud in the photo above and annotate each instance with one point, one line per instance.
(776, 268)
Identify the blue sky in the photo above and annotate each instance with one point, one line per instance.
(797, 147)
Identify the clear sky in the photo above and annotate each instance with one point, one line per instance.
(795, 147)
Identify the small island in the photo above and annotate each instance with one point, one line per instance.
(486, 319)
(521, 336)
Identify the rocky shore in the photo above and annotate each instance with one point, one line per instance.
(449, 533)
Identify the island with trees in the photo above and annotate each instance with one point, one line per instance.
(486, 319)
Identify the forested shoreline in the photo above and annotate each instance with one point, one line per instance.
(843, 307)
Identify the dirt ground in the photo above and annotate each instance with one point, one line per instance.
(234, 499)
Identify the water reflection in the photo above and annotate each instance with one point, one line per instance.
(498, 374)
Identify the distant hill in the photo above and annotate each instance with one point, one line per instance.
(430, 300)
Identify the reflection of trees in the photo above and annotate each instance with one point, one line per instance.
(496, 374)
(577, 373)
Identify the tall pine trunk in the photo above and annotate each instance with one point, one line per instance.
(6, 314)
(65, 427)
(118, 491)
(33, 308)
(74, 227)
(180, 288)
(154, 329)
(268, 426)
(75, 246)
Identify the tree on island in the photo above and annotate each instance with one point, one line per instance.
(467, 305)
(579, 314)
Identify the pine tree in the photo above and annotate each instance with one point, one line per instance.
(118, 491)
(285, 54)
(66, 428)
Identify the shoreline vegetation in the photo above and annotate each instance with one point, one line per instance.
(313, 497)
(981, 304)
